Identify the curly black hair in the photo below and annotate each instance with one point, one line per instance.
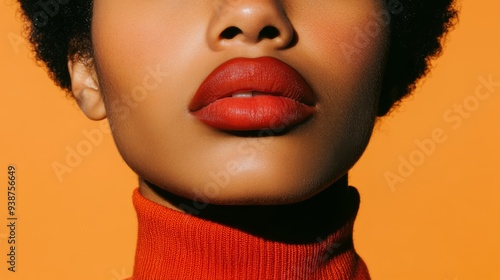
(58, 29)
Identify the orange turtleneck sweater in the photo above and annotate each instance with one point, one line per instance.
(176, 245)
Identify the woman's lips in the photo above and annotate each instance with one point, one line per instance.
(253, 94)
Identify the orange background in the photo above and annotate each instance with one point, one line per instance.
(441, 223)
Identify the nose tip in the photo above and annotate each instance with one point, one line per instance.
(250, 22)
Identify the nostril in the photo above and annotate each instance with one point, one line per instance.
(230, 32)
(269, 32)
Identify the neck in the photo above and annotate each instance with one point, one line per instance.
(298, 222)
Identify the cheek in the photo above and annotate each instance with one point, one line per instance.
(348, 46)
(346, 56)
(139, 33)
(132, 39)
(138, 58)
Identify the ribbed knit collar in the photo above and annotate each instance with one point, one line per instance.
(176, 245)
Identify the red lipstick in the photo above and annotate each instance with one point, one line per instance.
(253, 94)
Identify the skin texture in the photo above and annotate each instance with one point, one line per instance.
(150, 57)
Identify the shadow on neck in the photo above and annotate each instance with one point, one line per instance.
(303, 222)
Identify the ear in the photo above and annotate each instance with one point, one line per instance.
(85, 89)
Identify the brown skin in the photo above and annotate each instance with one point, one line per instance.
(167, 146)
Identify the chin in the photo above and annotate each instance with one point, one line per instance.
(265, 184)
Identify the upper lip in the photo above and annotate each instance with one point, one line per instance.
(265, 75)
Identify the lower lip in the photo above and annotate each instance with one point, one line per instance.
(262, 112)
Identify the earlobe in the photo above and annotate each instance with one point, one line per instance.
(85, 89)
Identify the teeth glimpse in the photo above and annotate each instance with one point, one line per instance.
(248, 94)
(243, 94)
